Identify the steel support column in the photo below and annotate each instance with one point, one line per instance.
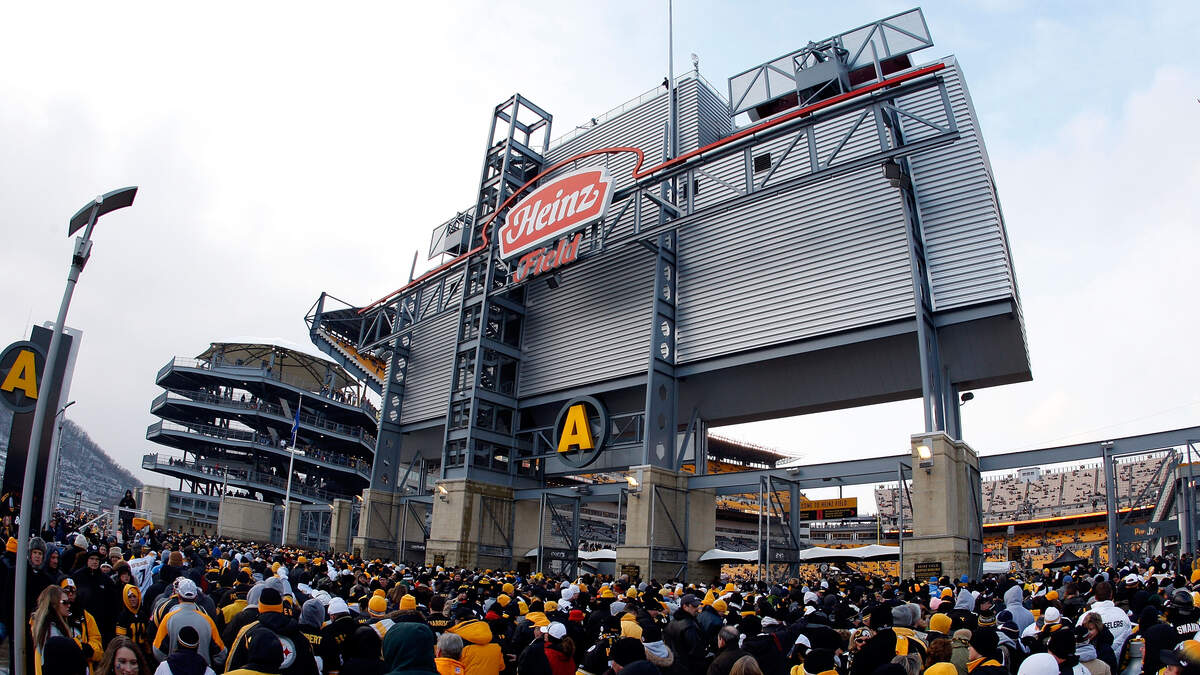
(658, 449)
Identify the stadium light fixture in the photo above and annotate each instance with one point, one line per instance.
(85, 218)
(634, 486)
(925, 454)
(443, 493)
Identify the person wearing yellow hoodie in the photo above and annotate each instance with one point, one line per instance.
(480, 655)
(130, 622)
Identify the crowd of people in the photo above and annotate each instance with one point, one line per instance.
(172, 603)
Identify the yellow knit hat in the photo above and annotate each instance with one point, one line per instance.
(720, 606)
(522, 608)
(1195, 575)
(378, 592)
(551, 606)
(377, 607)
(407, 601)
(940, 623)
(708, 598)
(507, 589)
(606, 593)
(503, 600)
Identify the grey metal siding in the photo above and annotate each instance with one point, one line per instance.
(643, 127)
(965, 242)
(595, 326)
(819, 259)
(427, 394)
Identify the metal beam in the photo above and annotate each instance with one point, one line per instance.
(851, 472)
(1091, 450)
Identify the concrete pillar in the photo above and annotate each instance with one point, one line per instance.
(339, 525)
(154, 499)
(293, 528)
(246, 519)
(378, 533)
(389, 530)
(463, 533)
(656, 520)
(944, 505)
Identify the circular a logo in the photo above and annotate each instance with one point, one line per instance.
(21, 368)
(581, 429)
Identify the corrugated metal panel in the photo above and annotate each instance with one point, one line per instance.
(714, 123)
(593, 327)
(430, 369)
(819, 259)
(701, 118)
(965, 242)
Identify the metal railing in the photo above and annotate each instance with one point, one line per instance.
(632, 103)
(306, 419)
(247, 478)
(330, 459)
(260, 371)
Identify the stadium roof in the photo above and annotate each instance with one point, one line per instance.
(740, 452)
(298, 364)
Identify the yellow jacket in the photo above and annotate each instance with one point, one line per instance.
(87, 633)
(480, 656)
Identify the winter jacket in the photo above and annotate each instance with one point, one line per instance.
(1115, 620)
(298, 653)
(210, 648)
(684, 637)
(725, 659)
(480, 655)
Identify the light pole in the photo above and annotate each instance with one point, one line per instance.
(85, 217)
(53, 461)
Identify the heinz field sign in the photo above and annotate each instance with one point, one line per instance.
(555, 209)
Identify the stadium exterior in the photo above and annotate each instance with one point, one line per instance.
(829, 236)
(231, 411)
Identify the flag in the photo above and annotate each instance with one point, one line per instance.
(296, 422)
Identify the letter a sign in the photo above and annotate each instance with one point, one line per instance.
(21, 367)
(576, 433)
(581, 427)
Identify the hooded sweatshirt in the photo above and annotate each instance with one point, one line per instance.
(480, 656)
(1012, 602)
(408, 650)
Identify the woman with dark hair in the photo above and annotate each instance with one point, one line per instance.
(49, 621)
(122, 657)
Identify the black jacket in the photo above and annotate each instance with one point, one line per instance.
(725, 659)
(684, 637)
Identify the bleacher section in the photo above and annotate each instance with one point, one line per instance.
(1058, 492)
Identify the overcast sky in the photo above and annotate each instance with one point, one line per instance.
(284, 149)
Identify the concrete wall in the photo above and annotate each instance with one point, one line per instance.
(247, 519)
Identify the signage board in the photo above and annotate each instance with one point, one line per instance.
(21, 368)
(631, 571)
(439, 560)
(924, 570)
(1014, 552)
(828, 509)
(580, 431)
(562, 206)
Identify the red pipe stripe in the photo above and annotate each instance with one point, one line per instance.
(638, 174)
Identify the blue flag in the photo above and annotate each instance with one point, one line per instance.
(295, 425)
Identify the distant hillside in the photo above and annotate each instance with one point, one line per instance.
(86, 466)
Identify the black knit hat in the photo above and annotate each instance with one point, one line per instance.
(627, 650)
(818, 661)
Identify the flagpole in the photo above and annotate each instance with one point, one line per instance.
(287, 500)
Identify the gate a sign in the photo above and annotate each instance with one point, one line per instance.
(21, 368)
(580, 431)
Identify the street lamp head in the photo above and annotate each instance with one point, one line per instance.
(105, 203)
